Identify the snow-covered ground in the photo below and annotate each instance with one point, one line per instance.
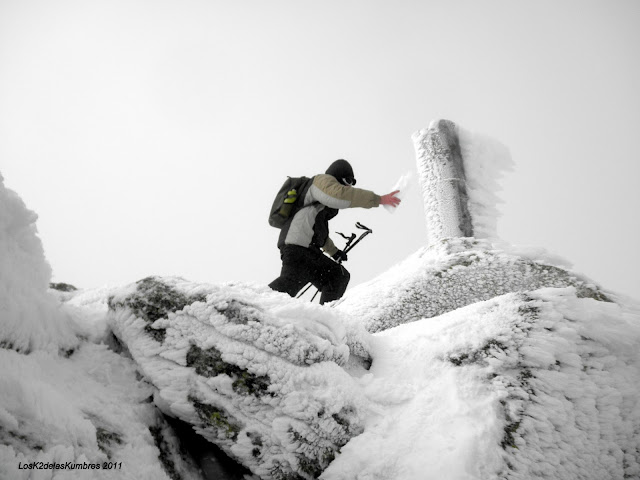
(470, 360)
(538, 384)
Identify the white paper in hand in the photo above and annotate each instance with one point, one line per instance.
(403, 185)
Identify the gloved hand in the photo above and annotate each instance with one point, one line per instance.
(339, 256)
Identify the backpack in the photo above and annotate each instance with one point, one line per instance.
(286, 203)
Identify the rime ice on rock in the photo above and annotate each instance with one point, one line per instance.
(458, 174)
(452, 274)
(534, 385)
(64, 399)
(442, 180)
(259, 375)
(30, 318)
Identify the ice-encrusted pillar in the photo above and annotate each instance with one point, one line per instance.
(442, 180)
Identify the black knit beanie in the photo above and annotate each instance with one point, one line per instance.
(342, 171)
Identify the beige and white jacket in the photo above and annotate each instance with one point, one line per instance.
(322, 199)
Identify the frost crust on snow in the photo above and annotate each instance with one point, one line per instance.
(255, 372)
(451, 274)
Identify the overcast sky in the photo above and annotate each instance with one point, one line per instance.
(150, 136)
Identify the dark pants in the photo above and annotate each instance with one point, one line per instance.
(302, 265)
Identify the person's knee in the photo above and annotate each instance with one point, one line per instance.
(284, 286)
(277, 285)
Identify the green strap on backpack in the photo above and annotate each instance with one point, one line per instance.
(287, 202)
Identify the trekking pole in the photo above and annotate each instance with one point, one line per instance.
(349, 242)
(367, 231)
(339, 261)
(305, 291)
(348, 246)
(314, 295)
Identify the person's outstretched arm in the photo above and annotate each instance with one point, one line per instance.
(328, 191)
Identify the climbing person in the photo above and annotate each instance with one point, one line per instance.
(305, 236)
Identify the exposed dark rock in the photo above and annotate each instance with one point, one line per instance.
(62, 287)
(218, 418)
(107, 439)
(209, 363)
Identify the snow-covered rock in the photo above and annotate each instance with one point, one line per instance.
(265, 377)
(30, 318)
(69, 406)
(541, 384)
(443, 182)
(454, 273)
(530, 385)
(459, 171)
(88, 409)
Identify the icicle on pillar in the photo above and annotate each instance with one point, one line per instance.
(442, 180)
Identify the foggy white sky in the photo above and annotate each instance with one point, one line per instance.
(150, 136)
